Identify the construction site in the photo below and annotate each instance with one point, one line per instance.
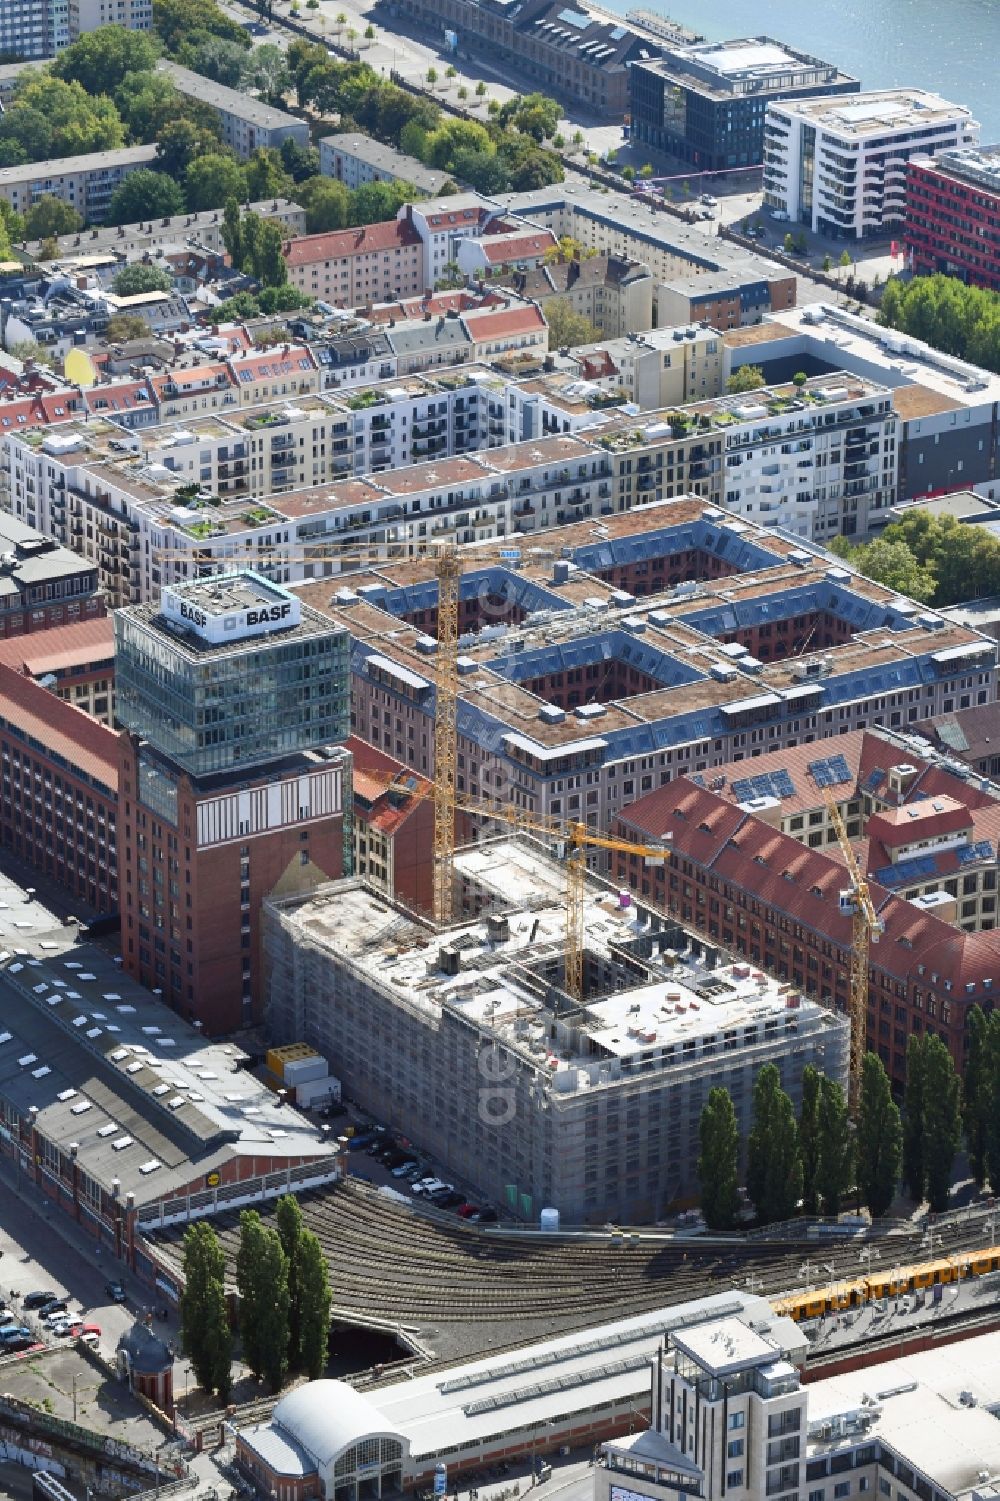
(469, 1039)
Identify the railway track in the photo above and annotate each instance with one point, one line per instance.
(388, 1264)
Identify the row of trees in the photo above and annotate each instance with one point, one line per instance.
(943, 311)
(812, 1160)
(505, 154)
(932, 1125)
(934, 559)
(284, 1292)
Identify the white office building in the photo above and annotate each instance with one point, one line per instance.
(839, 165)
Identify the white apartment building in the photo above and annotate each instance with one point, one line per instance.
(34, 29)
(247, 122)
(85, 182)
(838, 165)
(88, 15)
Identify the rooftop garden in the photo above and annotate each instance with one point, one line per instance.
(362, 399)
(264, 419)
(631, 439)
(257, 516)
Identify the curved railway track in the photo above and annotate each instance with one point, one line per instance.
(459, 1291)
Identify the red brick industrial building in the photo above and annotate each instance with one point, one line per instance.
(58, 790)
(393, 826)
(756, 866)
(953, 215)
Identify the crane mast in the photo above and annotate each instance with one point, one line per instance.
(866, 928)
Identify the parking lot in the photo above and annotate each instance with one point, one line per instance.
(388, 1160)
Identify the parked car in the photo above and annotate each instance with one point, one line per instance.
(466, 1211)
(55, 1305)
(709, 201)
(87, 1338)
(450, 1200)
(429, 1186)
(485, 1216)
(439, 1193)
(37, 1300)
(115, 1290)
(14, 1333)
(414, 1174)
(402, 1168)
(67, 1328)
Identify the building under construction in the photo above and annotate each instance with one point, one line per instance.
(466, 1039)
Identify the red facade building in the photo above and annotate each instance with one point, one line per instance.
(953, 215)
(393, 826)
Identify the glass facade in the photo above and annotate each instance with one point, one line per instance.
(211, 710)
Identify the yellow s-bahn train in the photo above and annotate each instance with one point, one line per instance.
(854, 1292)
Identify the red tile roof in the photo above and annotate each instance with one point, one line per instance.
(925, 818)
(82, 743)
(393, 234)
(504, 323)
(79, 645)
(517, 247)
(374, 773)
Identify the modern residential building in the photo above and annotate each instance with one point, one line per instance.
(85, 182)
(393, 812)
(34, 29)
(75, 662)
(612, 655)
(602, 1097)
(840, 165)
(757, 868)
(58, 790)
(234, 782)
(355, 159)
(247, 122)
(705, 104)
(946, 409)
(953, 215)
(570, 51)
(88, 15)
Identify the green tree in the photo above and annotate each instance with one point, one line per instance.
(232, 232)
(266, 175)
(774, 1168)
(746, 378)
(49, 215)
(788, 244)
(268, 261)
(300, 162)
(223, 61)
(211, 179)
(314, 1306)
(205, 1334)
(178, 142)
(326, 203)
(827, 263)
(432, 76)
(100, 59)
(835, 1148)
(140, 277)
(845, 258)
(799, 378)
(914, 1165)
(977, 1093)
(181, 23)
(889, 562)
(809, 1131)
(283, 299)
(124, 327)
(145, 194)
(719, 1161)
(532, 114)
(288, 1217)
(645, 171)
(262, 1280)
(28, 349)
(942, 1120)
(237, 309)
(879, 1138)
(567, 328)
(480, 89)
(269, 73)
(49, 118)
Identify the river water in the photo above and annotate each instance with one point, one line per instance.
(949, 46)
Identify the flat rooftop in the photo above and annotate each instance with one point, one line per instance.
(875, 113)
(677, 1013)
(937, 1409)
(725, 1345)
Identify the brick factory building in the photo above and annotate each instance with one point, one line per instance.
(757, 868)
(58, 790)
(234, 782)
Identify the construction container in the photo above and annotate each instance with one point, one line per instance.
(303, 1070)
(278, 1059)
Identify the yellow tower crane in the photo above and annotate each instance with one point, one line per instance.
(449, 563)
(866, 928)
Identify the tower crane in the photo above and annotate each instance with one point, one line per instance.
(866, 928)
(449, 563)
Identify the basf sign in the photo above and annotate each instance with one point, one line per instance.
(223, 620)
